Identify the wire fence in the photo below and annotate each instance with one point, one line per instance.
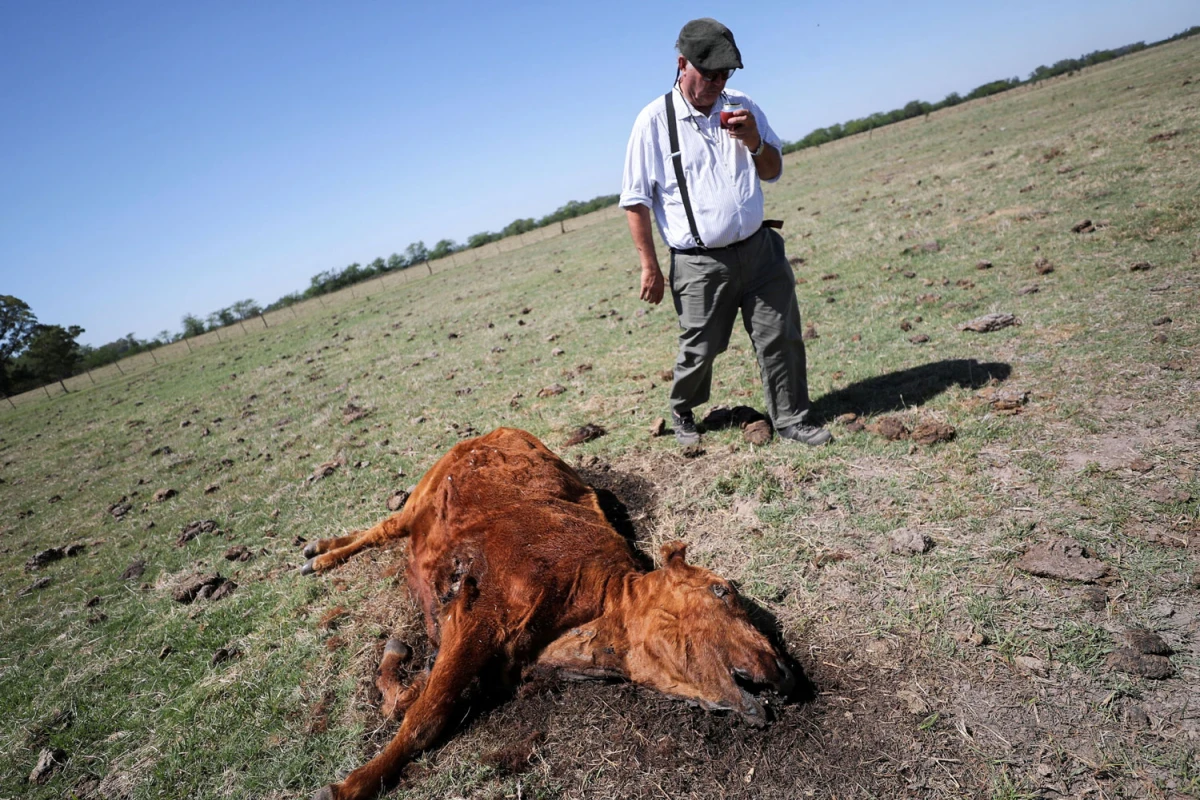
(148, 359)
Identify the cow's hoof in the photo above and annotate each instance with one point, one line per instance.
(310, 549)
(399, 648)
(325, 793)
(308, 569)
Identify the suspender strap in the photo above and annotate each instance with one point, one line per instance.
(677, 159)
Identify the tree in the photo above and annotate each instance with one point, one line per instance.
(53, 352)
(378, 266)
(442, 249)
(396, 261)
(192, 326)
(245, 309)
(416, 253)
(17, 327)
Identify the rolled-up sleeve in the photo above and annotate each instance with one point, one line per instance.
(638, 179)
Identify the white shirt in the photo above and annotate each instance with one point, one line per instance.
(722, 181)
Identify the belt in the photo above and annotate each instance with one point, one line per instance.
(696, 251)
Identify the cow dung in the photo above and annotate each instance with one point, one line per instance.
(195, 586)
(1130, 661)
(909, 542)
(396, 500)
(1064, 559)
(889, 428)
(49, 760)
(929, 433)
(586, 433)
(134, 570)
(1146, 642)
(757, 432)
(989, 322)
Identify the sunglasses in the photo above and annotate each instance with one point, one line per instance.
(713, 76)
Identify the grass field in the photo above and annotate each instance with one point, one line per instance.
(946, 673)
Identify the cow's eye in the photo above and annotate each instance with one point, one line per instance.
(719, 589)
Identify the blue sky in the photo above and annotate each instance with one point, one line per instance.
(168, 158)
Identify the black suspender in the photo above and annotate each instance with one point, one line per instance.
(677, 158)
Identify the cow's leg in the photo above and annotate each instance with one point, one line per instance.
(328, 553)
(396, 696)
(468, 643)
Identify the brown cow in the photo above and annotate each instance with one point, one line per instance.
(514, 564)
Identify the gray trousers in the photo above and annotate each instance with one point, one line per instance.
(709, 289)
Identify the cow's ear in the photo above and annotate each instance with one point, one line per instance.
(674, 554)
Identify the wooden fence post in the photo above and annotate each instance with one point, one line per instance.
(189, 344)
(10, 402)
(264, 319)
(153, 356)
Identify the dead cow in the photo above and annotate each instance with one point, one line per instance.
(515, 565)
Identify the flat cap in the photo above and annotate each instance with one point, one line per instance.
(709, 45)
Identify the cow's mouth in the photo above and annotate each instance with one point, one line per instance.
(755, 692)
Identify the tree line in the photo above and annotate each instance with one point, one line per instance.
(34, 354)
(918, 108)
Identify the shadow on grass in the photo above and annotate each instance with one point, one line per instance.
(895, 391)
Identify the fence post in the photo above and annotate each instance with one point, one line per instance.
(153, 356)
(243, 327)
(117, 364)
(264, 319)
(428, 267)
(47, 391)
(10, 402)
(189, 344)
(218, 332)
(89, 374)
(293, 309)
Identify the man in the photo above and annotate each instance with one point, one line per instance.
(722, 257)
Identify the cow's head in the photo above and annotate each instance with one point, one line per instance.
(690, 637)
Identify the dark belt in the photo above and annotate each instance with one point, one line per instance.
(696, 251)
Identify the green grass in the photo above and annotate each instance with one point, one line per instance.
(804, 532)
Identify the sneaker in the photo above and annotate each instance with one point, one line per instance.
(810, 435)
(685, 428)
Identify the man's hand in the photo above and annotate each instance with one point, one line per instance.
(744, 127)
(643, 239)
(652, 284)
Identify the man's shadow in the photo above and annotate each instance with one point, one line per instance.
(916, 386)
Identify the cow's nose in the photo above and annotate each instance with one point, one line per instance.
(787, 680)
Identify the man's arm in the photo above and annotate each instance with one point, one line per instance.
(643, 239)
